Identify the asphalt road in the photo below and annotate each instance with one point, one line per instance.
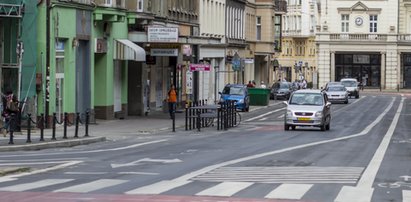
(364, 157)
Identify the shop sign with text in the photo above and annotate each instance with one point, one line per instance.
(162, 34)
(200, 67)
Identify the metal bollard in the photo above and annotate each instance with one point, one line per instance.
(53, 137)
(11, 126)
(186, 118)
(77, 122)
(198, 120)
(42, 127)
(28, 129)
(87, 122)
(65, 125)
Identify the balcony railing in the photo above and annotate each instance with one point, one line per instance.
(88, 2)
(359, 37)
(404, 37)
(280, 6)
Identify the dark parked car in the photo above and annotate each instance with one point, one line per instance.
(238, 93)
(281, 90)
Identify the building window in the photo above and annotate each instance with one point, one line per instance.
(373, 23)
(258, 24)
(108, 2)
(345, 22)
(140, 4)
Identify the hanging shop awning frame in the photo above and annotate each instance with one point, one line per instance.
(128, 50)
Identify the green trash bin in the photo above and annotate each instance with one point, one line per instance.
(259, 96)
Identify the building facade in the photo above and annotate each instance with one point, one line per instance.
(169, 32)
(404, 43)
(358, 39)
(297, 60)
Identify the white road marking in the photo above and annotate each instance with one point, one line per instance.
(184, 178)
(138, 162)
(35, 185)
(225, 189)
(406, 195)
(292, 175)
(137, 173)
(281, 117)
(91, 186)
(159, 187)
(265, 114)
(85, 173)
(91, 151)
(263, 119)
(67, 164)
(289, 191)
(363, 191)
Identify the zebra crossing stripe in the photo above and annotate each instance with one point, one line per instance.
(289, 191)
(35, 185)
(91, 186)
(406, 195)
(225, 189)
(159, 187)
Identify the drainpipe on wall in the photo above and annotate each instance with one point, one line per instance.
(47, 93)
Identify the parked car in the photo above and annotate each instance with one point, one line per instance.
(337, 93)
(352, 87)
(308, 108)
(281, 90)
(238, 93)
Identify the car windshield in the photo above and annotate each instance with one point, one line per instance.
(336, 88)
(349, 83)
(307, 99)
(233, 90)
(280, 86)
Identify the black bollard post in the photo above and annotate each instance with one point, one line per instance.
(28, 128)
(186, 119)
(198, 120)
(77, 122)
(65, 125)
(41, 127)
(225, 115)
(11, 126)
(54, 127)
(87, 122)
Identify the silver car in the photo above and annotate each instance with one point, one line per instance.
(352, 87)
(308, 108)
(337, 93)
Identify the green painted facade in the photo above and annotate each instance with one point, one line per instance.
(103, 23)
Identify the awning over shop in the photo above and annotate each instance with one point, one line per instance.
(127, 50)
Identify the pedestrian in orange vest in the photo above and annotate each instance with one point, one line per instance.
(172, 100)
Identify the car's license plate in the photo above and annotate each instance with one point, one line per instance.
(304, 119)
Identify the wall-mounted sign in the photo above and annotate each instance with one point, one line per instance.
(200, 67)
(249, 61)
(162, 34)
(189, 82)
(163, 52)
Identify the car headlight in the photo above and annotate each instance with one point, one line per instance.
(241, 101)
(289, 113)
(319, 114)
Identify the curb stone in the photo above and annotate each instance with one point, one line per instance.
(52, 144)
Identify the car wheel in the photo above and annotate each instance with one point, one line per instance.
(346, 101)
(322, 127)
(293, 127)
(247, 109)
(327, 127)
(357, 96)
(286, 127)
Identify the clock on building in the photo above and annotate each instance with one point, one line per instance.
(358, 21)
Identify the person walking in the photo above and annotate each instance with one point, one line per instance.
(10, 109)
(263, 85)
(172, 100)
